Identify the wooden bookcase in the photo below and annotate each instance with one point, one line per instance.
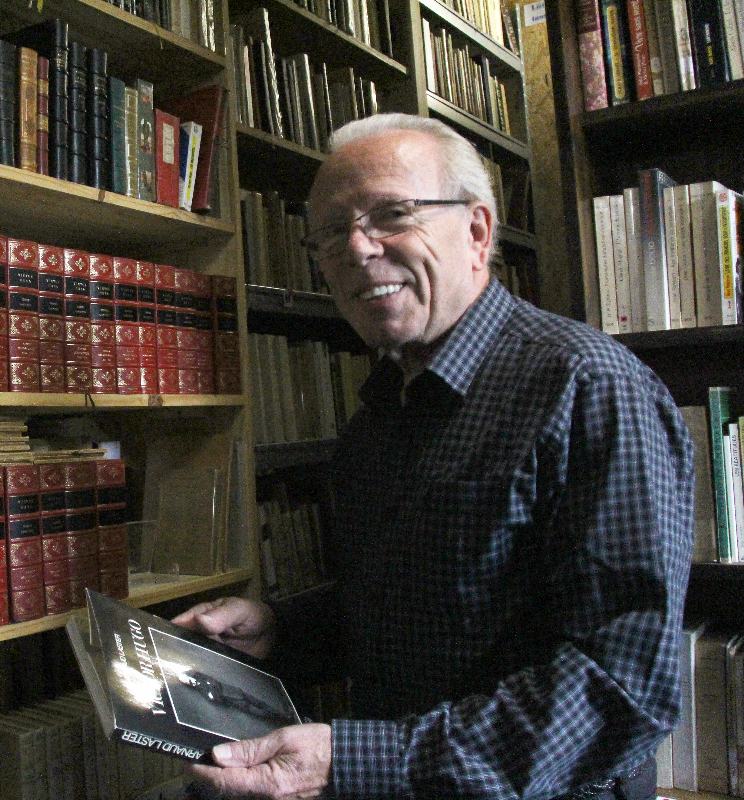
(692, 136)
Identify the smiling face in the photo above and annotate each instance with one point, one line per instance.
(401, 293)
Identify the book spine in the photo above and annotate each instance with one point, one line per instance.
(620, 253)
(190, 142)
(227, 350)
(8, 120)
(117, 134)
(727, 254)
(23, 316)
(128, 373)
(97, 120)
(719, 408)
(81, 526)
(42, 115)
(684, 745)
(708, 41)
(23, 542)
(672, 257)
(186, 331)
(617, 59)
(77, 105)
(704, 245)
(640, 50)
(78, 369)
(166, 329)
(651, 184)
(54, 539)
(731, 32)
(131, 141)
(102, 324)
(635, 259)
(737, 488)
(683, 234)
(683, 44)
(147, 347)
(3, 315)
(51, 319)
(167, 131)
(605, 264)
(145, 141)
(27, 108)
(654, 53)
(667, 45)
(111, 504)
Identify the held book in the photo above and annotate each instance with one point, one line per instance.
(168, 689)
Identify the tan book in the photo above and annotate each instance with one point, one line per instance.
(27, 108)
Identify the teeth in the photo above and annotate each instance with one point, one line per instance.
(381, 291)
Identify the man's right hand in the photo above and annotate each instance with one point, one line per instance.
(246, 625)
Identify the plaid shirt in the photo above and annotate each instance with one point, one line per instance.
(514, 545)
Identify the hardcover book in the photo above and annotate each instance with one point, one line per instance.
(591, 58)
(168, 689)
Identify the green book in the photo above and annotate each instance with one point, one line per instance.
(720, 401)
(118, 135)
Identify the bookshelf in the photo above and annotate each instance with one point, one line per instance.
(692, 137)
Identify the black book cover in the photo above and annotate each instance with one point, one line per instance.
(168, 689)
(8, 107)
(708, 42)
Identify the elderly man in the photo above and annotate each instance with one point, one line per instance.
(514, 515)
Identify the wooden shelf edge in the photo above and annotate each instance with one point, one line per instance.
(482, 40)
(144, 590)
(282, 144)
(82, 402)
(684, 337)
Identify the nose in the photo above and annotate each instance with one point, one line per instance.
(360, 245)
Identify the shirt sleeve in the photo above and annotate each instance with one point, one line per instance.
(618, 463)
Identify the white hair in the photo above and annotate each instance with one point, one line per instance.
(464, 175)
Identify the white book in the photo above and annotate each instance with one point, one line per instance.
(684, 256)
(727, 254)
(730, 498)
(605, 264)
(731, 37)
(684, 738)
(635, 259)
(620, 254)
(665, 763)
(738, 487)
(705, 251)
(733, 655)
(672, 258)
(683, 45)
(431, 78)
(189, 144)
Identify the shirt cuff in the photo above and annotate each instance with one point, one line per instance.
(368, 759)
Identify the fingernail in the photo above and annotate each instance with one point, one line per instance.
(221, 750)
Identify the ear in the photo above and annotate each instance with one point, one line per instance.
(481, 233)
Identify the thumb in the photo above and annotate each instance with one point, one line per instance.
(246, 752)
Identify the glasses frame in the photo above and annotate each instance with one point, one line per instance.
(313, 247)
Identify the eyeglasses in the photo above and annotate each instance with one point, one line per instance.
(387, 219)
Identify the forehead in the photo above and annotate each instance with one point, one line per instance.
(394, 165)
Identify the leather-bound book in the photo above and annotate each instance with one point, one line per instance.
(127, 326)
(147, 345)
(54, 545)
(3, 314)
(23, 542)
(27, 105)
(204, 354)
(117, 134)
(4, 605)
(81, 528)
(186, 334)
(111, 502)
(102, 324)
(145, 141)
(97, 122)
(8, 104)
(78, 370)
(77, 110)
(167, 149)
(166, 328)
(23, 315)
(51, 319)
(226, 349)
(42, 115)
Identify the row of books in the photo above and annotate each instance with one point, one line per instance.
(65, 116)
(637, 49)
(705, 752)
(492, 17)
(57, 748)
(301, 390)
(64, 530)
(291, 545)
(272, 244)
(464, 78)
(73, 321)
(365, 20)
(289, 97)
(192, 19)
(668, 255)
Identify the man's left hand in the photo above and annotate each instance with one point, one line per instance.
(291, 762)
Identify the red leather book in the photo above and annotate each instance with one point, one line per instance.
(639, 49)
(23, 542)
(167, 132)
(3, 314)
(23, 315)
(147, 344)
(54, 546)
(4, 605)
(227, 349)
(188, 378)
(166, 329)
(78, 369)
(111, 499)
(102, 324)
(127, 327)
(81, 528)
(42, 115)
(203, 106)
(51, 319)
(204, 333)
(591, 54)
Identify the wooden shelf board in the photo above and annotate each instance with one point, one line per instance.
(39, 207)
(37, 402)
(144, 590)
(295, 29)
(136, 47)
(506, 62)
(284, 455)
(516, 237)
(282, 301)
(510, 148)
(683, 337)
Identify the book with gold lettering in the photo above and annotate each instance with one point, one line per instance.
(168, 689)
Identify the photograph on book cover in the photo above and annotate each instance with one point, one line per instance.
(207, 696)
